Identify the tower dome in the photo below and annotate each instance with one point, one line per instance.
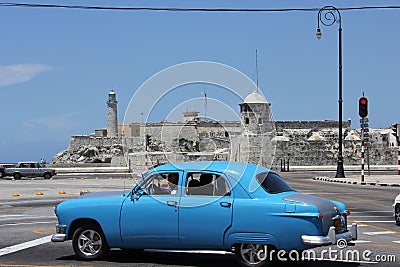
(255, 98)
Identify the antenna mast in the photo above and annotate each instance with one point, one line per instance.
(257, 68)
(205, 104)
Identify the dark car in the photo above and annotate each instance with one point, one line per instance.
(29, 169)
(2, 173)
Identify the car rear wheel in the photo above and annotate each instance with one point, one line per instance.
(47, 175)
(89, 242)
(17, 176)
(397, 214)
(252, 255)
(1, 174)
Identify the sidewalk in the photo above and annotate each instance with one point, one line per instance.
(373, 179)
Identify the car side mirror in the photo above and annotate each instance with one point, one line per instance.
(136, 194)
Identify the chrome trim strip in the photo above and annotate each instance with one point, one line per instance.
(58, 238)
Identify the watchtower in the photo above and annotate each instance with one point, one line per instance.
(255, 114)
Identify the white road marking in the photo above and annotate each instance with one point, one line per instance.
(29, 244)
(396, 242)
(319, 193)
(380, 216)
(378, 233)
(360, 241)
(376, 211)
(16, 224)
(358, 225)
(20, 218)
(357, 221)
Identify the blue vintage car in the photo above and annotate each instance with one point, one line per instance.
(228, 206)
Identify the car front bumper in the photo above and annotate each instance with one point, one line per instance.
(59, 236)
(332, 238)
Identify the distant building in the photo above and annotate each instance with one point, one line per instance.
(191, 115)
(256, 138)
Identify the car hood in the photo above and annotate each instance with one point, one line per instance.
(103, 194)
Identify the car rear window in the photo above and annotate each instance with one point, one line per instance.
(273, 183)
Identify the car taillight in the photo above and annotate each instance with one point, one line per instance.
(320, 216)
(347, 212)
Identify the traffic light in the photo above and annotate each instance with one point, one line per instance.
(363, 107)
(394, 129)
(148, 140)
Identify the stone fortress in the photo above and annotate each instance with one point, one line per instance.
(256, 138)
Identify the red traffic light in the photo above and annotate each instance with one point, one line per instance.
(363, 107)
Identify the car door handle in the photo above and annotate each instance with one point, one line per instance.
(225, 204)
(172, 203)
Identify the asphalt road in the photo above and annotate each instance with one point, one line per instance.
(27, 222)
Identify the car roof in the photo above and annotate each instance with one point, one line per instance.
(240, 171)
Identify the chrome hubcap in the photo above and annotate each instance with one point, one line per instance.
(253, 253)
(89, 242)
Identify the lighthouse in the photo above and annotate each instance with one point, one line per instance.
(112, 121)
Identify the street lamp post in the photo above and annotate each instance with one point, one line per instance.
(328, 15)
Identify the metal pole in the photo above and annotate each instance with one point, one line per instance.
(398, 156)
(369, 169)
(362, 149)
(398, 148)
(330, 16)
(340, 169)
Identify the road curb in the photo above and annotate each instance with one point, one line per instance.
(338, 180)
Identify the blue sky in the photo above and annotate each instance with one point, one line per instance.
(57, 66)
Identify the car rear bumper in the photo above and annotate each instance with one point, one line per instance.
(59, 236)
(331, 238)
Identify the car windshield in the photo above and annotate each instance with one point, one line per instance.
(273, 183)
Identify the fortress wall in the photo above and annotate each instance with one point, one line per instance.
(316, 125)
(303, 152)
(169, 133)
(302, 145)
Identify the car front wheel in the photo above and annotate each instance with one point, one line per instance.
(89, 242)
(397, 214)
(17, 176)
(47, 175)
(252, 255)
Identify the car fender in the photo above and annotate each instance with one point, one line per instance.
(104, 211)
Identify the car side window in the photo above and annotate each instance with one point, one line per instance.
(162, 184)
(206, 184)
